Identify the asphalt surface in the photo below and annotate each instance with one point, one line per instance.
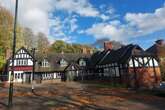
(77, 96)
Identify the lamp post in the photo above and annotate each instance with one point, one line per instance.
(13, 54)
(32, 76)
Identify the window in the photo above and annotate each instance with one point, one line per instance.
(131, 63)
(15, 75)
(16, 62)
(18, 75)
(63, 62)
(82, 63)
(121, 66)
(73, 68)
(16, 56)
(141, 62)
(155, 62)
(22, 63)
(45, 63)
(145, 61)
(25, 62)
(136, 63)
(117, 72)
(115, 64)
(151, 63)
(106, 70)
(112, 72)
(21, 76)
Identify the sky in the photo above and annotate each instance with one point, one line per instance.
(85, 21)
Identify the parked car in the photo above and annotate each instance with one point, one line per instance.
(162, 85)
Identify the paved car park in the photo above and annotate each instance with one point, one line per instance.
(78, 96)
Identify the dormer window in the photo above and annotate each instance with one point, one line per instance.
(45, 63)
(63, 63)
(82, 62)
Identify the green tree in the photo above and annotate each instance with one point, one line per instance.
(2, 59)
(58, 46)
(6, 27)
(61, 46)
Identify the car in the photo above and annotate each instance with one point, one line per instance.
(162, 85)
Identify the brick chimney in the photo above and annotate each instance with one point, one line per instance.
(160, 42)
(108, 45)
(87, 50)
(84, 50)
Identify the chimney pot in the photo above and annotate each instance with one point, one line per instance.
(160, 42)
(108, 45)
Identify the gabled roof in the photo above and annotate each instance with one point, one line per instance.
(83, 58)
(156, 49)
(22, 48)
(69, 57)
(122, 55)
(55, 58)
(72, 64)
(97, 57)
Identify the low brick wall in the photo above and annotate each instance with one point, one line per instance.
(145, 77)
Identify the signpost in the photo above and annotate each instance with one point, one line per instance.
(32, 76)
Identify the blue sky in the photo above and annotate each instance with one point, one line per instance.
(85, 21)
(118, 11)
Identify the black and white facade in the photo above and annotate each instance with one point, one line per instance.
(23, 62)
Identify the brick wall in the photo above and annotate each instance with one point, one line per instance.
(145, 77)
(108, 45)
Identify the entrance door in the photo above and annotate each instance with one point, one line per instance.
(18, 76)
(70, 75)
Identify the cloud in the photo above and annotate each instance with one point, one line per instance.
(60, 29)
(147, 23)
(104, 17)
(71, 23)
(37, 14)
(136, 24)
(31, 13)
(107, 30)
(108, 12)
(81, 7)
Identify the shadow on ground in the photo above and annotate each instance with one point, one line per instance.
(76, 96)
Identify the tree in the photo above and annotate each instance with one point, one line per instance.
(42, 44)
(77, 48)
(20, 41)
(58, 46)
(2, 59)
(30, 40)
(6, 24)
(61, 46)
